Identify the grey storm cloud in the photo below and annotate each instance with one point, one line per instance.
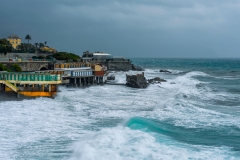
(156, 28)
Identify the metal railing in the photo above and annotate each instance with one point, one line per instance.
(11, 76)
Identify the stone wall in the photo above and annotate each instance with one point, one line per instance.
(30, 66)
(116, 65)
(119, 66)
(23, 56)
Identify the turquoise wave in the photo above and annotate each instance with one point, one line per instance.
(228, 136)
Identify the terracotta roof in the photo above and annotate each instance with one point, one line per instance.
(14, 36)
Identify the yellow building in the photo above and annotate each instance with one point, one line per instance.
(48, 49)
(15, 40)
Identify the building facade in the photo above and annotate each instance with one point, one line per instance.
(15, 40)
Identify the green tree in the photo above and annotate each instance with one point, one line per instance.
(16, 68)
(36, 44)
(4, 41)
(21, 48)
(28, 37)
(25, 47)
(41, 45)
(3, 68)
(45, 43)
(3, 49)
(66, 56)
(5, 46)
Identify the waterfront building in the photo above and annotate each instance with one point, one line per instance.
(112, 63)
(58, 66)
(102, 55)
(15, 40)
(88, 56)
(30, 83)
(48, 49)
(99, 69)
(82, 73)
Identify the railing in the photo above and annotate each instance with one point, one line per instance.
(29, 77)
(4, 59)
(71, 65)
(48, 60)
(81, 73)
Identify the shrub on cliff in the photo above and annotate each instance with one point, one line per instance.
(16, 68)
(3, 68)
(66, 56)
(26, 47)
(5, 46)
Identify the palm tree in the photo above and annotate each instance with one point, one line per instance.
(28, 37)
(36, 44)
(45, 43)
(36, 50)
(21, 47)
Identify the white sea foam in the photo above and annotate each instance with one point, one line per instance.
(175, 71)
(79, 114)
(26, 123)
(229, 77)
(186, 105)
(122, 143)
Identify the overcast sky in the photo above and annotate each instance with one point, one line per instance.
(139, 28)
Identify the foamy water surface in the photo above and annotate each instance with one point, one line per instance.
(191, 116)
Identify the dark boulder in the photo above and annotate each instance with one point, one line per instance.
(165, 71)
(135, 84)
(156, 80)
(137, 68)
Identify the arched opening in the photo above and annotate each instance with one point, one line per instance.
(43, 69)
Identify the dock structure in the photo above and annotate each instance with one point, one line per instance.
(79, 76)
(30, 83)
(81, 73)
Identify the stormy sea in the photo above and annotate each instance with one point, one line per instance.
(194, 115)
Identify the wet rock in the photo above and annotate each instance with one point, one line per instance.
(156, 80)
(165, 71)
(137, 68)
(136, 81)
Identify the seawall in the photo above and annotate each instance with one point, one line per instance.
(22, 56)
(116, 64)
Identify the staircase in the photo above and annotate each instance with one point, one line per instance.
(14, 88)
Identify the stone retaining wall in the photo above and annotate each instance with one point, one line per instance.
(30, 66)
(22, 55)
(114, 65)
(119, 66)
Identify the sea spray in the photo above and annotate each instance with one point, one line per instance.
(194, 115)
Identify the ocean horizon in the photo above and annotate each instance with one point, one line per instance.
(194, 115)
